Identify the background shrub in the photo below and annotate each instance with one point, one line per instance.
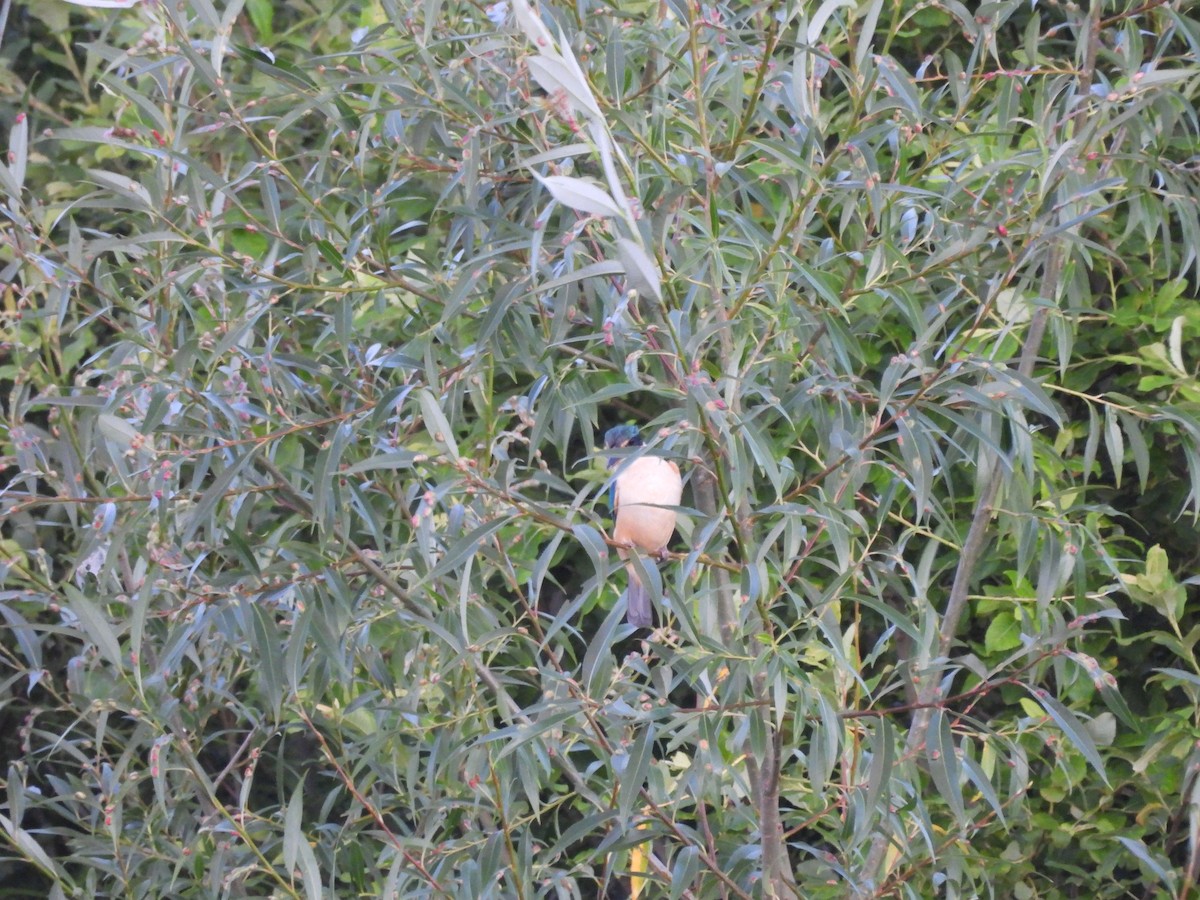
(314, 316)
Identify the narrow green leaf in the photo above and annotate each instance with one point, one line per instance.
(942, 757)
(436, 422)
(879, 779)
(816, 24)
(293, 825)
(567, 151)
(979, 778)
(19, 627)
(396, 459)
(28, 846)
(18, 152)
(325, 477)
(555, 75)
(1160, 868)
(1072, 728)
(641, 272)
(1114, 442)
(580, 195)
(1092, 444)
(95, 625)
(596, 670)
(593, 270)
(637, 766)
(264, 639)
(1137, 446)
(214, 494)
(123, 186)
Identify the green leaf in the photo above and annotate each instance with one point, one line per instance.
(636, 765)
(214, 494)
(641, 272)
(262, 14)
(296, 849)
(436, 422)
(18, 155)
(1157, 866)
(1072, 729)
(28, 846)
(942, 758)
(1003, 633)
(25, 634)
(580, 195)
(95, 626)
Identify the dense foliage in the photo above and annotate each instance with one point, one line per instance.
(314, 315)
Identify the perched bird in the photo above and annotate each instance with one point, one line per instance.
(645, 492)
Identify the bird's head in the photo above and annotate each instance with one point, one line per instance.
(620, 437)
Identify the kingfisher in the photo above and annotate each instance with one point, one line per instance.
(645, 492)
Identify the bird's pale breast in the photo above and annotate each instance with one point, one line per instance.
(644, 486)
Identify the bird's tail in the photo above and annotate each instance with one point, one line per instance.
(638, 611)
